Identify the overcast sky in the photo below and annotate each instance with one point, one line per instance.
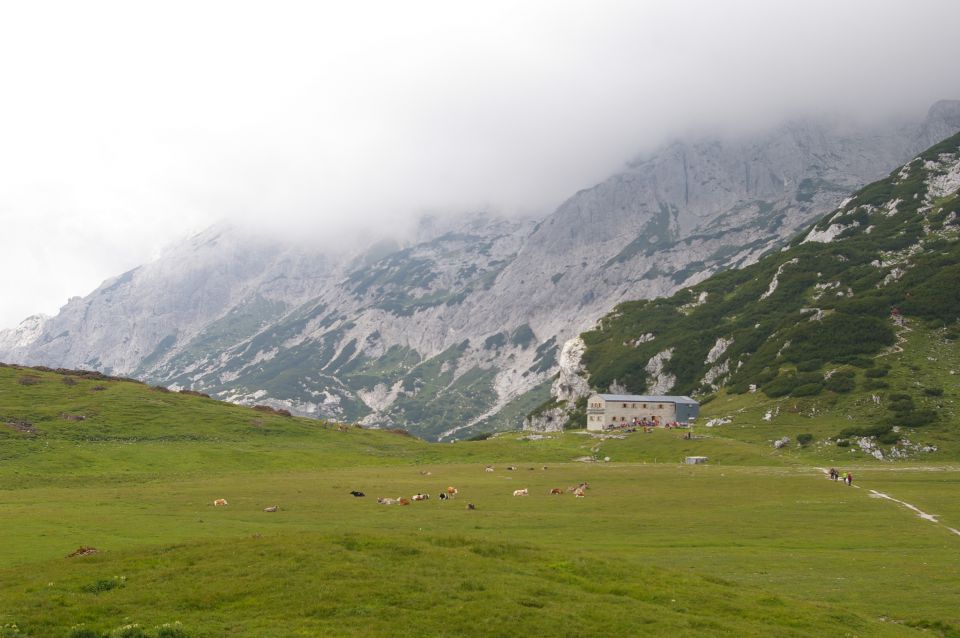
(127, 126)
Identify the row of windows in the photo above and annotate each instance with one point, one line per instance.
(626, 405)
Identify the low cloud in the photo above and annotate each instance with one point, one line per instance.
(130, 127)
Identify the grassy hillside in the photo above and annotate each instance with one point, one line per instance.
(757, 543)
(822, 322)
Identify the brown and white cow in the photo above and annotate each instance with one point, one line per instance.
(522, 492)
(219, 502)
(421, 497)
(556, 490)
(452, 491)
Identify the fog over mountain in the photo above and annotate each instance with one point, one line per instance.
(128, 128)
(461, 324)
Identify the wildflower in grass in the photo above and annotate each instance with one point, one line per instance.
(171, 630)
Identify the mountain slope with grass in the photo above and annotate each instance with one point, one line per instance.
(828, 318)
(458, 325)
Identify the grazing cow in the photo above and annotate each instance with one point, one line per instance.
(522, 492)
(219, 502)
(556, 490)
(511, 467)
(443, 496)
(452, 491)
(357, 494)
(579, 493)
(471, 506)
(421, 497)
(489, 468)
(425, 473)
(272, 508)
(387, 501)
(403, 501)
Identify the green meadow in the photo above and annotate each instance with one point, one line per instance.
(755, 543)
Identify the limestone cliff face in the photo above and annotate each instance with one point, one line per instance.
(460, 323)
(571, 383)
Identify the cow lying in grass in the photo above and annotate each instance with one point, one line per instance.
(421, 497)
(357, 494)
(522, 492)
(219, 502)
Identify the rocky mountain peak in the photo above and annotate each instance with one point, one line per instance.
(463, 319)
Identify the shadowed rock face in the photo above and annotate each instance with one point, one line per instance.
(442, 333)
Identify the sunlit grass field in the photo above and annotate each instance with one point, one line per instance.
(755, 543)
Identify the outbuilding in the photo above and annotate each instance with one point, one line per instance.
(605, 411)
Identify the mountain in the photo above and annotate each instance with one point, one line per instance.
(860, 313)
(462, 327)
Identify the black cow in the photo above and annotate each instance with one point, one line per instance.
(357, 494)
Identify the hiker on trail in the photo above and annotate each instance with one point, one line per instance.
(849, 478)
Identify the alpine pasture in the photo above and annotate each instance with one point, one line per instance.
(755, 543)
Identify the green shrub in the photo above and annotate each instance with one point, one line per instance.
(933, 392)
(840, 383)
(888, 438)
(872, 384)
(781, 386)
(765, 376)
(856, 360)
(843, 443)
(876, 373)
(917, 418)
(807, 390)
(805, 439)
(900, 403)
(866, 430)
(810, 365)
(577, 419)
(83, 632)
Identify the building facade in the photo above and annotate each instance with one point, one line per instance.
(613, 410)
